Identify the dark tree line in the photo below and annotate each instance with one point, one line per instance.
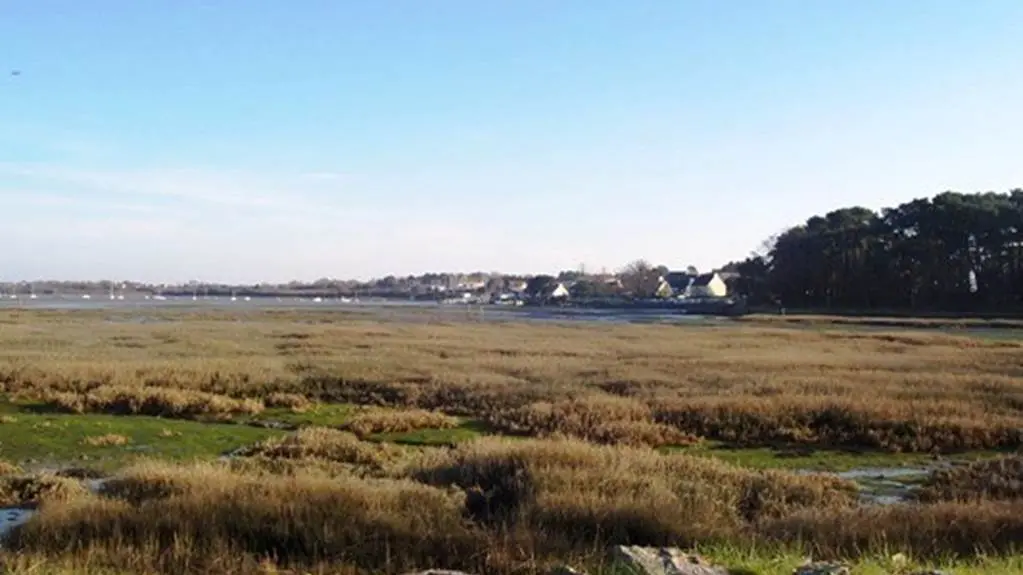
(954, 252)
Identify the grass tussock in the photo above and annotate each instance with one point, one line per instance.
(926, 530)
(598, 418)
(9, 419)
(154, 401)
(326, 444)
(579, 494)
(836, 423)
(397, 421)
(109, 439)
(295, 402)
(38, 489)
(205, 513)
(993, 479)
(7, 468)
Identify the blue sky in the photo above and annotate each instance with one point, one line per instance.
(263, 140)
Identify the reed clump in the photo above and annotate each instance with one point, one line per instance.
(153, 401)
(106, 440)
(207, 514)
(397, 421)
(924, 530)
(8, 468)
(19, 490)
(999, 479)
(295, 402)
(326, 444)
(577, 493)
(599, 418)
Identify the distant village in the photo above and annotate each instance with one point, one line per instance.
(637, 282)
(569, 287)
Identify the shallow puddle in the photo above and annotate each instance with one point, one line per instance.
(11, 517)
(881, 473)
(884, 485)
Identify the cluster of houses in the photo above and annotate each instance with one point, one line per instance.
(686, 285)
(673, 285)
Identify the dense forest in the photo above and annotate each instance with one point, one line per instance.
(953, 252)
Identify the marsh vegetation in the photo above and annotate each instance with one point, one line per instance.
(362, 445)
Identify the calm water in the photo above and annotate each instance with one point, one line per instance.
(393, 309)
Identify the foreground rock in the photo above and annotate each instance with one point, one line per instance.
(663, 561)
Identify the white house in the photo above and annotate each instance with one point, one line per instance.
(708, 285)
(556, 291)
(675, 284)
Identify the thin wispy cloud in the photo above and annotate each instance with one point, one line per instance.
(224, 224)
(215, 187)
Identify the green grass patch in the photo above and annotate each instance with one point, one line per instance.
(47, 439)
(322, 415)
(765, 560)
(747, 561)
(466, 431)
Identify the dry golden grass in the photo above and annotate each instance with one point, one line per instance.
(579, 494)
(753, 384)
(209, 514)
(38, 489)
(994, 479)
(109, 439)
(598, 418)
(293, 401)
(397, 421)
(7, 468)
(884, 321)
(323, 498)
(935, 530)
(490, 506)
(327, 444)
(155, 401)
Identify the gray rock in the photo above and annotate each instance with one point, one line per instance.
(662, 561)
(821, 568)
